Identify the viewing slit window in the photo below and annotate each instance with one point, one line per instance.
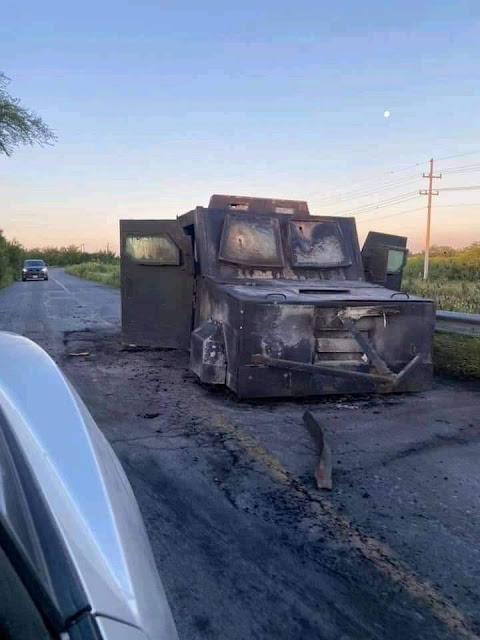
(318, 244)
(284, 210)
(395, 260)
(159, 249)
(251, 241)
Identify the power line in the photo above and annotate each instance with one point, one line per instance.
(462, 172)
(392, 215)
(380, 204)
(386, 204)
(401, 213)
(460, 204)
(360, 190)
(360, 193)
(358, 186)
(459, 155)
(352, 195)
(473, 187)
(464, 167)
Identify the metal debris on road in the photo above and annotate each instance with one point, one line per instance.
(323, 471)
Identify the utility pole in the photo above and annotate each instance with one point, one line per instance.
(428, 192)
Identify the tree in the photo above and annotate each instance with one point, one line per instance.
(19, 125)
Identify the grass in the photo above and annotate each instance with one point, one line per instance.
(97, 271)
(456, 356)
(454, 278)
(449, 295)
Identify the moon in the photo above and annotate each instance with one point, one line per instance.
(386, 114)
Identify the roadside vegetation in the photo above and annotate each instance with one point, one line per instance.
(453, 280)
(66, 256)
(457, 356)
(11, 256)
(454, 284)
(97, 271)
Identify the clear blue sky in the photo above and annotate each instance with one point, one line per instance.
(158, 104)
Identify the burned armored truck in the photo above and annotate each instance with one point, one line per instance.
(273, 301)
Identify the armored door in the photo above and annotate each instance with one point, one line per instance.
(384, 257)
(156, 283)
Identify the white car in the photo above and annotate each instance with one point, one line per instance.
(75, 560)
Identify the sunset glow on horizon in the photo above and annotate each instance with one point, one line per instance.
(158, 107)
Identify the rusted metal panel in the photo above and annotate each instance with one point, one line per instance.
(281, 306)
(338, 344)
(258, 205)
(208, 357)
(156, 283)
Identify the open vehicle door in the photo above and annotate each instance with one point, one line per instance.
(156, 283)
(384, 257)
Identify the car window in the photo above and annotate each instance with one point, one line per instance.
(34, 263)
(318, 244)
(251, 241)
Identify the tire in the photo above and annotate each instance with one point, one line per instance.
(46, 278)
(24, 279)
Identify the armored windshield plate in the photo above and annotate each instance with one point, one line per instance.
(253, 241)
(318, 244)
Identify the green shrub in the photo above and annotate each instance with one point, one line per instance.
(97, 271)
(11, 256)
(449, 295)
(453, 279)
(451, 264)
(453, 282)
(66, 256)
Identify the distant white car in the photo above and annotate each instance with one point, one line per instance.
(75, 560)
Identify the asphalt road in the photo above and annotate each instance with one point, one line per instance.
(246, 546)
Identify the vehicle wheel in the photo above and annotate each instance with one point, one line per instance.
(46, 278)
(24, 279)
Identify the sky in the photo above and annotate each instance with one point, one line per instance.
(157, 105)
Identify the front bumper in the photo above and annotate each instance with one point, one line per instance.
(348, 349)
(277, 378)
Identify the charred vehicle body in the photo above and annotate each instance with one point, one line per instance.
(273, 301)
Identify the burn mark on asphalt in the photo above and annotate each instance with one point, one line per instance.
(436, 442)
